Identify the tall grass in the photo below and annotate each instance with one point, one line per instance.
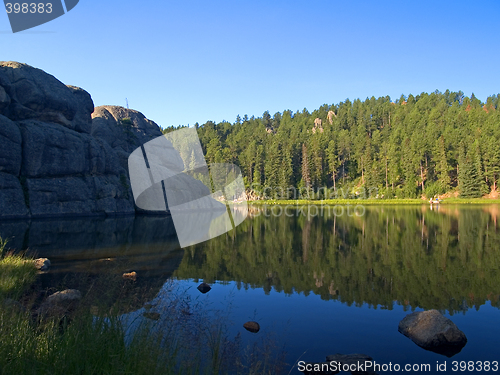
(185, 338)
(86, 345)
(16, 273)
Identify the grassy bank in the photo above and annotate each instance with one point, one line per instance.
(16, 274)
(372, 201)
(182, 338)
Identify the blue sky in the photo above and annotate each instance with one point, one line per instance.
(181, 62)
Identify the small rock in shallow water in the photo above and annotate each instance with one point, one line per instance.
(130, 276)
(432, 331)
(67, 295)
(204, 288)
(60, 303)
(42, 264)
(253, 327)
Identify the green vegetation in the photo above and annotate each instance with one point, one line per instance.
(332, 202)
(181, 338)
(16, 273)
(445, 259)
(85, 346)
(369, 202)
(126, 122)
(418, 145)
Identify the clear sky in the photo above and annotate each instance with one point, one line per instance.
(184, 61)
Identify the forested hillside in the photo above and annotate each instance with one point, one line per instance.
(418, 145)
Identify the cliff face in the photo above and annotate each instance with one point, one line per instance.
(60, 156)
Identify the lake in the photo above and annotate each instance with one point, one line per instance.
(320, 280)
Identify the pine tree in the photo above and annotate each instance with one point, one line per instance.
(472, 184)
(306, 175)
(442, 167)
(333, 161)
(478, 166)
(461, 167)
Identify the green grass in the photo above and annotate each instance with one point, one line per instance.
(82, 343)
(338, 201)
(16, 273)
(87, 344)
(471, 201)
(373, 201)
(84, 346)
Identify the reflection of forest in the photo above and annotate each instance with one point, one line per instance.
(446, 259)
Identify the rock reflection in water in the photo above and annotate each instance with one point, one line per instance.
(92, 254)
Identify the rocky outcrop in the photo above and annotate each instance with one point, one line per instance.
(50, 164)
(60, 156)
(123, 129)
(330, 116)
(432, 331)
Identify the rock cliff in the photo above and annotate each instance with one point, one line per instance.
(58, 154)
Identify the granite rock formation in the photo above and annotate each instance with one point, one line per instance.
(59, 155)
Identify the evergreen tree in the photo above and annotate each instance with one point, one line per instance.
(306, 175)
(405, 147)
(333, 161)
(442, 167)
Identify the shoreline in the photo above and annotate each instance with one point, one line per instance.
(372, 201)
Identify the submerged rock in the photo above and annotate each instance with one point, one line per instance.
(253, 327)
(432, 331)
(204, 288)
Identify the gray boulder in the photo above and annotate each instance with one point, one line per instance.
(4, 100)
(89, 195)
(35, 94)
(12, 197)
(60, 156)
(82, 121)
(123, 129)
(50, 164)
(432, 331)
(10, 146)
(51, 150)
(60, 303)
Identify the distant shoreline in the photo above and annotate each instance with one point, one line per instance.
(373, 201)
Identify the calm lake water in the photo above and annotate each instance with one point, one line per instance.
(321, 280)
